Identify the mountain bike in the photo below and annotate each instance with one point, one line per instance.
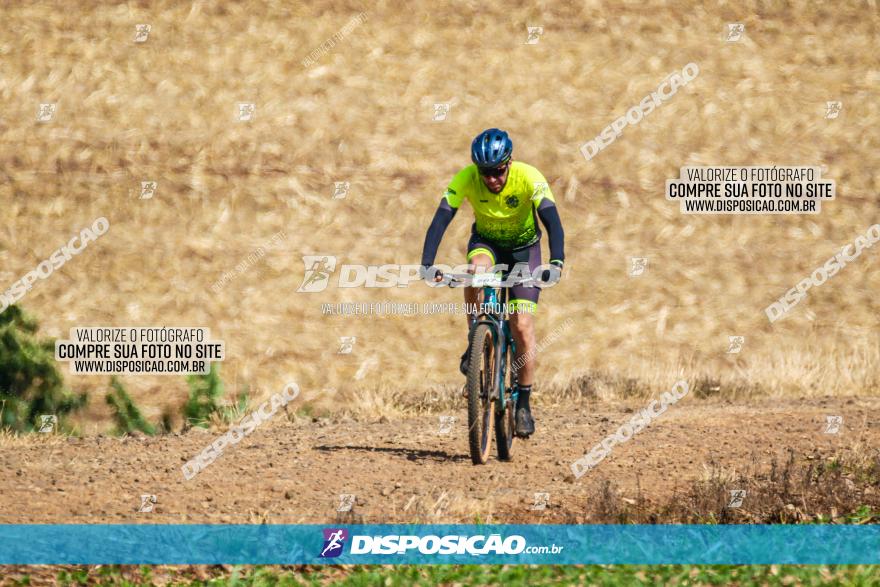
(491, 376)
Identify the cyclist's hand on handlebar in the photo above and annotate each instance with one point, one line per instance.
(554, 274)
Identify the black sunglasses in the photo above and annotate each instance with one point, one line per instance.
(493, 171)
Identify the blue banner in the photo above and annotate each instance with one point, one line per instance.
(437, 544)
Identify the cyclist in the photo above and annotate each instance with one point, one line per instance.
(507, 198)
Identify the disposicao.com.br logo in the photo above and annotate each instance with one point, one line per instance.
(319, 268)
(334, 541)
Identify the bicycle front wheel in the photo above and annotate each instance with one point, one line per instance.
(504, 413)
(480, 386)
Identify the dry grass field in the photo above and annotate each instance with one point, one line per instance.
(238, 203)
(165, 110)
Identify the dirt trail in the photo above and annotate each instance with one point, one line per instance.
(405, 470)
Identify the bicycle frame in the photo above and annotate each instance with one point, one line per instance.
(491, 319)
(498, 322)
(500, 325)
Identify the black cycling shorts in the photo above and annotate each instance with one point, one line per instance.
(520, 297)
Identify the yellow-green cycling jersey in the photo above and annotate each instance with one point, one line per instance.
(508, 218)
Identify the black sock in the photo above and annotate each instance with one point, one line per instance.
(522, 398)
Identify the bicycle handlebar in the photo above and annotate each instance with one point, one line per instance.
(491, 280)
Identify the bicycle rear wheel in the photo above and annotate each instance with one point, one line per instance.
(480, 388)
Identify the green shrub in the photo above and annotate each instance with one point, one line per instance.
(30, 382)
(126, 414)
(238, 410)
(205, 393)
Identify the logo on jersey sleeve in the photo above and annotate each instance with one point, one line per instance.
(540, 190)
(334, 541)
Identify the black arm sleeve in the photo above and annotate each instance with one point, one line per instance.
(442, 217)
(550, 217)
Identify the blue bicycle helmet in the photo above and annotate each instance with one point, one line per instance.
(491, 148)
